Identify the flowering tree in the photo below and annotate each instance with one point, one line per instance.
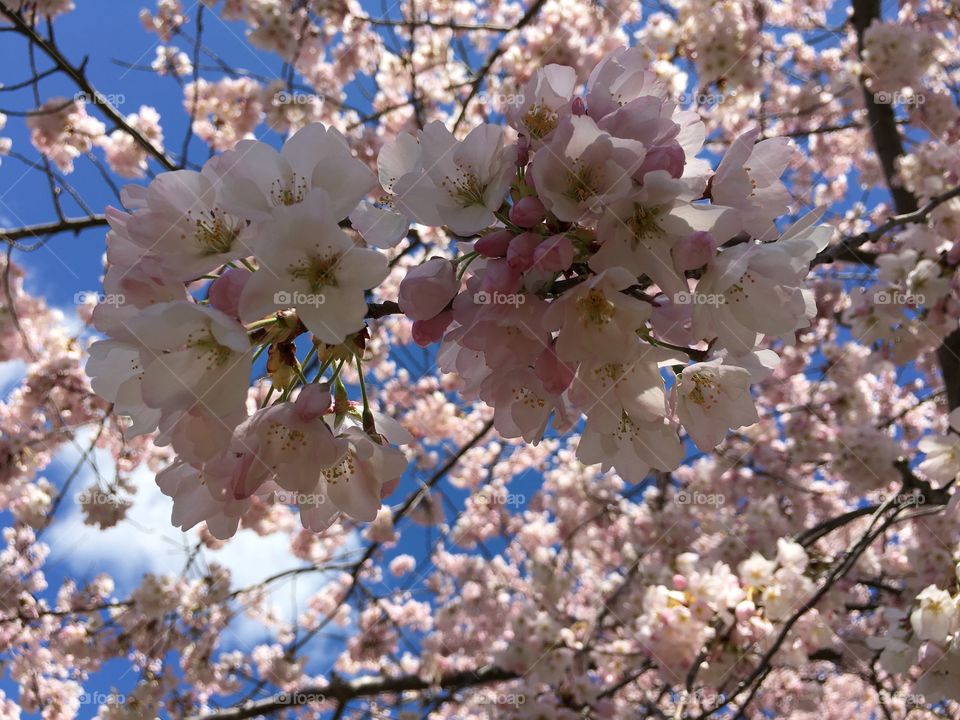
(593, 360)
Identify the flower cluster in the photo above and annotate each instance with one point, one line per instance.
(925, 636)
(211, 269)
(600, 256)
(608, 254)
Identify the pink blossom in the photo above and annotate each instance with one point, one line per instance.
(555, 254)
(527, 212)
(428, 288)
(224, 293)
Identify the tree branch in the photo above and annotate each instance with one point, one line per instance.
(883, 123)
(78, 76)
(345, 690)
(848, 248)
(41, 230)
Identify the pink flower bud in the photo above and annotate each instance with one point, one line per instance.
(679, 582)
(426, 332)
(313, 401)
(499, 276)
(224, 293)
(527, 212)
(529, 182)
(523, 153)
(578, 107)
(555, 374)
(745, 610)
(663, 157)
(693, 251)
(494, 245)
(521, 250)
(428, 289)
(555, 254)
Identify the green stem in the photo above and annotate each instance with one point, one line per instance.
(363, 385)
(261, 323)
(323, 368)
(266, 399)
(466, 260)
(369, 424)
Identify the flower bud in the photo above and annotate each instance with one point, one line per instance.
(224, 293)
(663, 157)
(499, 276)
(527, 212)
(745, 610)
(953, 254)
(555, 374)
(313, 401)
(428, 289)
(523, 153)
(427, 332)
(495, 244)
(521, 250)
(555, 254)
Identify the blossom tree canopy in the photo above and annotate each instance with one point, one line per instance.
(522, 360)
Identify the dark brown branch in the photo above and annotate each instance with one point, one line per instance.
(439, 25)
(848, 248)
(889, 146)
(345, 690)
(42, 230)
(882, 122)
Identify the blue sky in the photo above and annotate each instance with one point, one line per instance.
(106, 30)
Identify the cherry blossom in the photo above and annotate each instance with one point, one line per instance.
(630, 392)
(315, 268)
(438, 180)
